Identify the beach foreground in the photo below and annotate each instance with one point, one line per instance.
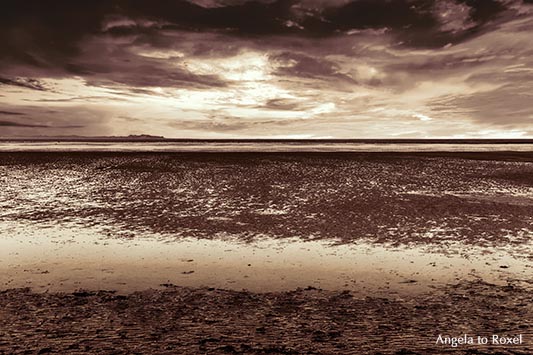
(287, 253)
(305, 321)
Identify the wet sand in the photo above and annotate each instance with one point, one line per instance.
(474, 198)
(264, 253)
(305, 321)
(52, 259)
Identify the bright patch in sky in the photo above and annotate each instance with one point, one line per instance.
(205, 69)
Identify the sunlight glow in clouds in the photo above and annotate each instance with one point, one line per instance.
(249, 66)
(422, 117)
(317, 69)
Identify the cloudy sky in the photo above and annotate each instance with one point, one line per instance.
(267, 68)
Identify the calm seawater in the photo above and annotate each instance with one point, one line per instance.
(256, 147)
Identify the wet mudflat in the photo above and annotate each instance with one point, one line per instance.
(337, 253)
(50, 258)
(485, 199)
(304, 321)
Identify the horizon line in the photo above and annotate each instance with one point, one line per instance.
(150, 138)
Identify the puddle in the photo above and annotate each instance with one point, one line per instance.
(51, 258)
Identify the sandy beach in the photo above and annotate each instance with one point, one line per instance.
(282, 253)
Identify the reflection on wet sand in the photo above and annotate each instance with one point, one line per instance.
(65, 259)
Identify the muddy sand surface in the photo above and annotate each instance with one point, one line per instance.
(304, 321)
(400, 198)
(452, 230)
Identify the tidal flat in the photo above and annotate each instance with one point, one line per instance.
(264, 252)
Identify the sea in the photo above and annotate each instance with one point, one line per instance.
(266, 146)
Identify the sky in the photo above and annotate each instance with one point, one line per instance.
(267, 68)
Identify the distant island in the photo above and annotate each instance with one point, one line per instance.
(129, 138)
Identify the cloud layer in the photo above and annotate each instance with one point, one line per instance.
(279, 68)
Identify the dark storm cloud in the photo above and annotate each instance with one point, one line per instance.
(282, 104)
(413, 18)
(419, 68)
(153, 76)
(27, 83)
(16, 124)
(310, 66)
(296, 64)
(93, 40)
(506, 106)
(82, 99)
(4, 123)
(48, 33)
(54, 120)
(11, 113)
(426, 23)
(43, 33)
(120, 66)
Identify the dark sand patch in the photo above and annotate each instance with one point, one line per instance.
(305, 321)
(385, 197)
